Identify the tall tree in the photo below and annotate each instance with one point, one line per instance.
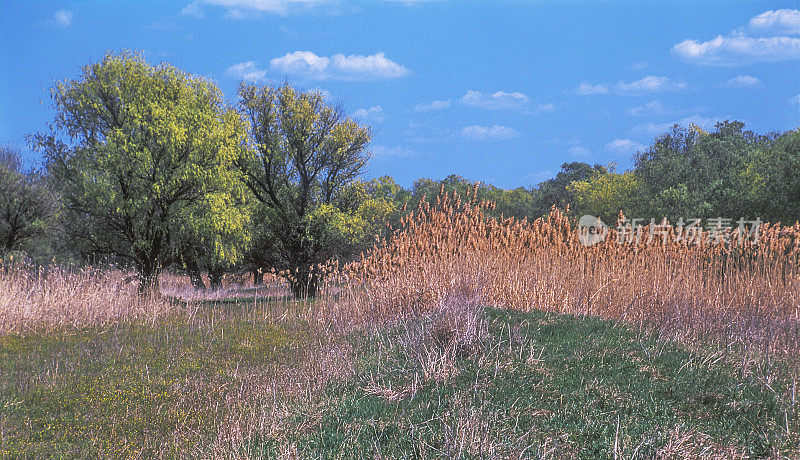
(142, 152)
(28, 205)
(304, 157)
(771, 179)
(605, 195)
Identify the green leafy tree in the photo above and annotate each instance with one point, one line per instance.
(303, 159)
(143, 155)
(555, 191)
(769, 181)
(688, 172)
(215, 236)
(605, 195)
(383, 203)
(28, 205)
(517, 203)
(378, 203)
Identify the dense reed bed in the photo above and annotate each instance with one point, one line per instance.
(738, 293)
(727, 287)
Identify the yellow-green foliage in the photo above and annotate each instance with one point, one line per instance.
(145, 157)
(303, 158)
(605, 195)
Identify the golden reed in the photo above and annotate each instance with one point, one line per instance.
(736, 294)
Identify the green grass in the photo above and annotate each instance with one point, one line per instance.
(534, 385)
(545, 385)
(128, 390)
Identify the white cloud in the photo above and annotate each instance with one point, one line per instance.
(795, 99)
(374, 113)
(486, 133)
(777, 22)
(193, 10)
(238, 9)
(247, 71)
(579, 151)
(743, 81)
(587, 89)
(63, 18)
(545, 108)
(382, 151)
(738, 49)
(500, 100)
(433, 106)
(767, 39)
(338, 66)
(654, 129)
(624, 146)
(650, 83)
(651, 108)
(234, 14)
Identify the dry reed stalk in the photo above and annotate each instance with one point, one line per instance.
(737, 293)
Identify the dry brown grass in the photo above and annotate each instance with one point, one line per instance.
(440, 268)
(736, 294)
(34, 299)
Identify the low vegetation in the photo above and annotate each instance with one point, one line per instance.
(463, 383)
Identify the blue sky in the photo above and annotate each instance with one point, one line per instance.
(497, 91)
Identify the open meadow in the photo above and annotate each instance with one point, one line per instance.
(346, 229)
(458, 335)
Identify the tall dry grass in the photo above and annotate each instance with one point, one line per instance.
(443, 264)
(35, 299)
(738, 293)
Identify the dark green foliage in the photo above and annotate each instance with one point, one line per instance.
(729, 172)
(555, 192)
(517, 203)
(28, 205)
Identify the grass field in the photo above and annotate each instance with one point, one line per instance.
(130, 389)
(457, 382)
(543, 385)
(458, 336)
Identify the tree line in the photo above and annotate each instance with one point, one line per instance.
(151, 168)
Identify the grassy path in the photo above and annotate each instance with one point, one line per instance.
(548, 386)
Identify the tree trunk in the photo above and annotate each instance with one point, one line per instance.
(215, 277)
(197, 280)
(258, 277)
(148, 282)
